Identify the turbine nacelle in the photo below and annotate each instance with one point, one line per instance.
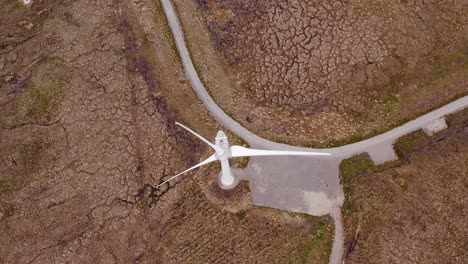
(222, 141)
(223, 152)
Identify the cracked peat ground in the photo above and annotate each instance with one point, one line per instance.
(87, 117)
(324, 73)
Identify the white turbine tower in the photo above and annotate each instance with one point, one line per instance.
(223, 152)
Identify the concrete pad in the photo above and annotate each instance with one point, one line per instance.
(299, 184)
(435, 126)
(382, 153)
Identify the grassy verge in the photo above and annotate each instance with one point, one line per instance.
(161, 19)
(351, 167)
(317, 248)
(196, 65)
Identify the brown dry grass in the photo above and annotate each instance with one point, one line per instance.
(197, 231)
(412, 212)
(88, 98)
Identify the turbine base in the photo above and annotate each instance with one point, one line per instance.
(226, 185)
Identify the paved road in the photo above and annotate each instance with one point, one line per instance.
(300, 184)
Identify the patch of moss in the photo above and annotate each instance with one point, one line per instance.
(354, 166)
(349, 210)
(45, 100)
(318, 245)
(160, 18)
(410, 143)
(360, 164)
(4, 186)
(40, 96)
(278, 213)
(442, 66)
(319, 234)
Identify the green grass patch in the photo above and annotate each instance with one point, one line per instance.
(361, 164)
(443, 65)
(160, 17)
(45, 99)
(351, 168)
(39, 99)
(319, 235)
(354, 166)
(4, 186)
(319, 244)
(411, 142)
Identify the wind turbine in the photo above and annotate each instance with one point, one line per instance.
(223, 152)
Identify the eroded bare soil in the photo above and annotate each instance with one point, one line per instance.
(414, 213)
(318, 71)
(87, 109)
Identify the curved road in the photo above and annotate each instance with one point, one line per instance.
(301, 184)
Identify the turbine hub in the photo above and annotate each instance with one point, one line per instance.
(222, 142)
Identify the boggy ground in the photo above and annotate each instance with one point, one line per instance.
(323, 73)
(89, 92)
(414, 212)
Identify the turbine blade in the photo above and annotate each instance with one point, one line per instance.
(208, 160)
(213, 146)
(238, 151)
